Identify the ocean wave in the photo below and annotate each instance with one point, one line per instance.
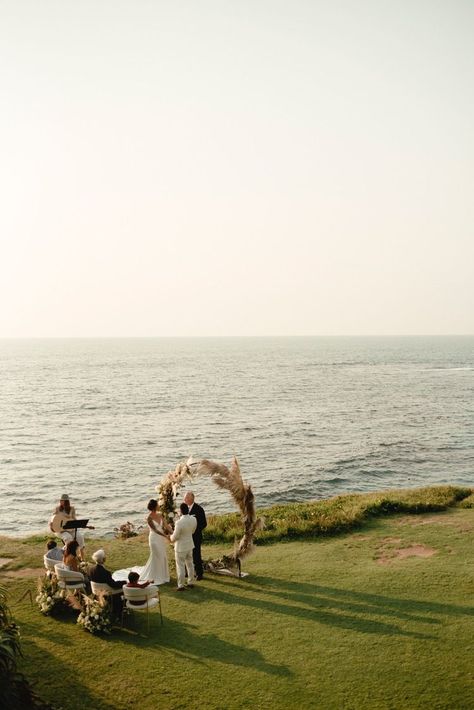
(93, 407)
(389, 444)
(449, 369)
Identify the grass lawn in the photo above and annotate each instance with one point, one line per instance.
(378, 618)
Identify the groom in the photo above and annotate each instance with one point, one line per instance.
(183, 547)
(198, 512)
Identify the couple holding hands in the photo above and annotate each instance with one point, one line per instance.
(186, 537)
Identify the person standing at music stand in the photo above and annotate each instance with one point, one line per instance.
(63, 513)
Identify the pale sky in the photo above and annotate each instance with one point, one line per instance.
(254, 167)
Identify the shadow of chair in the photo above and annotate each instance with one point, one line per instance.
(141, 599)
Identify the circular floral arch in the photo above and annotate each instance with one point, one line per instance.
(226, 478)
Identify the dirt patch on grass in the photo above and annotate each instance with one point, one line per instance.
(386, 556)
(415, 551)
(5, 561)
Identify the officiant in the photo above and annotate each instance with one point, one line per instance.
(198, 512)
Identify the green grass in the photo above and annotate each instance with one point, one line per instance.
(338, 514)
(319, 623)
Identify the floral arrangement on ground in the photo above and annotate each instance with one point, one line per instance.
(127, 530)
(50, 596)
(95, 615)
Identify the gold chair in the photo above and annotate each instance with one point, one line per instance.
(136, 599)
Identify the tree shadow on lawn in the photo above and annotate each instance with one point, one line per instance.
(303, 591)
(50, 663)
(173, 635)
(307, 594)
(180, 638)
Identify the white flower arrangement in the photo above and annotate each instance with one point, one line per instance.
(49, 594)
(169, 486)
(95, 615)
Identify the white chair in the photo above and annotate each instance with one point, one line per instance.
(68, 579)
(49, 563)
(137, 599)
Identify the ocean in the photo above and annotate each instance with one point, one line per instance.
(310, 417)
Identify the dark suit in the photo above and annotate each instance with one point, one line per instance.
(200, 516)
(98, 573)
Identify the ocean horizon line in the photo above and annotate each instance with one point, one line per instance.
(233, 337)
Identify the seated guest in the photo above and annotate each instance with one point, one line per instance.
(53, 552)
(133, 578)
(71, 561)
(98, 573)
(70, 558)
(133, 582)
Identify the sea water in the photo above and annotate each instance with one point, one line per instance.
(308, 418)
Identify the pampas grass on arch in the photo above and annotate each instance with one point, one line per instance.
(229, 479)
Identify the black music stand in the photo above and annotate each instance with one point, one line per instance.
(74, 525)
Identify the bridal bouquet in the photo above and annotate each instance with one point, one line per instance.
(95, 615)
(49, 595)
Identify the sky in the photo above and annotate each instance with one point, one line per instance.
(254, 167)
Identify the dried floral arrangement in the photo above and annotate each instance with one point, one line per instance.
(229, 479)
(126, 530)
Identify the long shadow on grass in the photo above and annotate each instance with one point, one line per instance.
(391, 605)
(55, 672)
(181, 639)
(325, 597)
(319, 615)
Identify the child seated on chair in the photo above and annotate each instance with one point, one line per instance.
(133, 582)
(133, 578)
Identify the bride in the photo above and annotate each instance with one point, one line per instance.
(156, 568)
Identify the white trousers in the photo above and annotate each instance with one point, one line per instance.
(184, 561)
(67, 536)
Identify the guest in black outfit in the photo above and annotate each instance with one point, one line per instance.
(198, 512)
(98, 573)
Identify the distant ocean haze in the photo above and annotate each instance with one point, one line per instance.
(104, 420)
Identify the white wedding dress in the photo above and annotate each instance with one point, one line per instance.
(156, 568)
